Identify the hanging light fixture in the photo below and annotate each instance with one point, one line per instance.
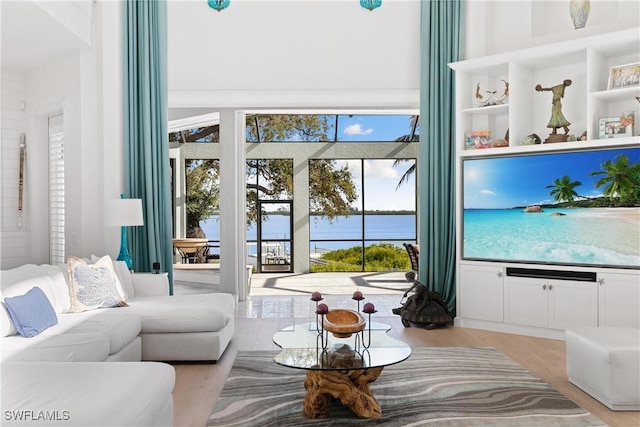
(370, 4)
(218, 4)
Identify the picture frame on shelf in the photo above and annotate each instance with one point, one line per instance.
(621, 76)
(612, 127)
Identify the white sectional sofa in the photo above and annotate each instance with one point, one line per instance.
(153, 327)
(87, 394)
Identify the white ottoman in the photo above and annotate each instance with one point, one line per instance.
(605, 362)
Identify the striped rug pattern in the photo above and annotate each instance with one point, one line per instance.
(440, 386)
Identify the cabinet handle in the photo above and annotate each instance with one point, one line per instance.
(550, 287)
(499, 273)
(601, 281)
(544, 287)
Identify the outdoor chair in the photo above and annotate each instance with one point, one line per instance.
(413, 250)
(211, 252)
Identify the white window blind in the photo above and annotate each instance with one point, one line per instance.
(56, 190)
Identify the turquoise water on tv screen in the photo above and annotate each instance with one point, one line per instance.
(591, 236)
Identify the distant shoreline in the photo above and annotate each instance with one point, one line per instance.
(621, 213)
(595, 202)
(349, 214)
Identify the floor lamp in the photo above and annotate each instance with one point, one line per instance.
(124, 213)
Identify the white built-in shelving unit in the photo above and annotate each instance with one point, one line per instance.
(586, 62)
(487, 297)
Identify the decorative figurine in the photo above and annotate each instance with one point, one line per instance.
(531, 140)
(492, 99)
(557, 119)
(583, 137)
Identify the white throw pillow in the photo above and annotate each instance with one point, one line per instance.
(7, 327)
(60, 286)
(124, 275)
(122, 270)
(94, 285)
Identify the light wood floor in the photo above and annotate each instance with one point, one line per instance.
(199, 385)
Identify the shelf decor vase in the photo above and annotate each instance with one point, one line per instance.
(579, 10)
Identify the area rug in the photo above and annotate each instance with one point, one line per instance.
(442, 386)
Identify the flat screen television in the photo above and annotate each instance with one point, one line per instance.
(578, 208)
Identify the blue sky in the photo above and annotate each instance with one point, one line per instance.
(373, 127)
(380, 176)
(498, 183)
(381, 179)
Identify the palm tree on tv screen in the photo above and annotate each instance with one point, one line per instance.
(563, 189)
(619, 179)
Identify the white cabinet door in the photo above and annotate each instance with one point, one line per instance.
(480, 292)
(525, 301)
(619, 299)
(572, 304)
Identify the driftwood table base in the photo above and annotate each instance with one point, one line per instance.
(351, 387)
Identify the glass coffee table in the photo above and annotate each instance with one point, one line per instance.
(340, 368)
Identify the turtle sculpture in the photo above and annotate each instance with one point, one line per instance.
(424, 308)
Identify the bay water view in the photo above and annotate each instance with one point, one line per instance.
(380, 228)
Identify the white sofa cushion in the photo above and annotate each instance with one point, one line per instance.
(59, 275)
(184, 313)
(55, 348)
(125, 278)
(17, 281)
(7, 327)
(89, 394)
(119, 325)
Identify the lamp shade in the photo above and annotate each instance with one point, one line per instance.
(124, 212)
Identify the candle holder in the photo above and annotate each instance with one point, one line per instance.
(368, 309)
(321, 311)
(316, 297)
(320, 338)
(357, 295)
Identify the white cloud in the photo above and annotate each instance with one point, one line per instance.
(378, 170)
(356, 129)
(487, 192)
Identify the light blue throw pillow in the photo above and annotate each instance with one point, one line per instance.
(31, 313)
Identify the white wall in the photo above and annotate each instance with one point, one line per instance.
(305, 53)
(497, 26)
(15, 244)
(70, 83)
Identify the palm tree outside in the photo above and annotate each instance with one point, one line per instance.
(414, 136)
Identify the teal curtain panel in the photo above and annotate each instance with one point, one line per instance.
(441, 44)
(147, 170)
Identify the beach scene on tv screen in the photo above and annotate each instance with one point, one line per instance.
(577, 208)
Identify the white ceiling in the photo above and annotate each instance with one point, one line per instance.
(31, 37)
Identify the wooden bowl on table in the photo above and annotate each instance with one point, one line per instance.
(343, 322)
